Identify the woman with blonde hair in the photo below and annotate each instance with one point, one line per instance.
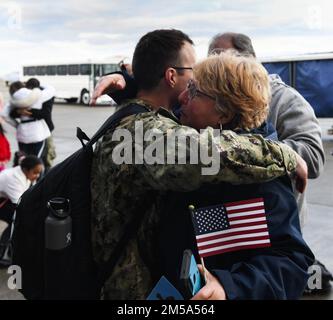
(249, 235)
(238, 88)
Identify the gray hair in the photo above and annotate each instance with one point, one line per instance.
(241, 42)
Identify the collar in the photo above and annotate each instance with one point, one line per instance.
(168, 114)
(267, 130)
(139, 102)
(160, 111)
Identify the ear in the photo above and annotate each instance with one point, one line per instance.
(225, 119)
(170, 77)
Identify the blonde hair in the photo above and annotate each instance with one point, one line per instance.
(240, 85)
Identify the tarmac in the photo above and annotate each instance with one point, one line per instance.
(318, 230)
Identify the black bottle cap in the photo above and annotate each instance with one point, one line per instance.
(60, 207)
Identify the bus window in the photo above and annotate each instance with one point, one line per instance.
(73, 69)
(31, 71)
(25, 71)
(108, 68)
(313, 80)
(85, 69)
(62, 70)
(41, 71)
(51, 70)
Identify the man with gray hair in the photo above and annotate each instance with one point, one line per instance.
(230, 40)
(291, 115)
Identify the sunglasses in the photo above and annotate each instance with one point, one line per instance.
(194, 91)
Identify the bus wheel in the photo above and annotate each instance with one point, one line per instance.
(85, 97)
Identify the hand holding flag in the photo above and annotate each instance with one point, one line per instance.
(213, 289)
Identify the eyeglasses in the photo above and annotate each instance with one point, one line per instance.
(178, 68)
(193, 90)
(183, 68)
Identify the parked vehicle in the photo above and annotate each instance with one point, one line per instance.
(73, 81)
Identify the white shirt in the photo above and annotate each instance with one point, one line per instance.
(35, 131)
(13, 183)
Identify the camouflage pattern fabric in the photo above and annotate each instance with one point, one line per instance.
(117, 191)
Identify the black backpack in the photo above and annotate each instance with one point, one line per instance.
(70, 273)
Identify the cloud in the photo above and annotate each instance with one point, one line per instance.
(99, 38)
(99, 28)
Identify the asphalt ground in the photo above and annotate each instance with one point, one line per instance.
(318, 230)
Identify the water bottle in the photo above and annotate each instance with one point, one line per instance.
(58, 224)
(58, 249)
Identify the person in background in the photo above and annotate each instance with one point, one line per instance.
(14, 182)
(44, 113)
(31, 132)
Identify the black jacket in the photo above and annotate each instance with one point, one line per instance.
(45, 113)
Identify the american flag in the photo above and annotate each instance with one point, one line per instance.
(230, 227)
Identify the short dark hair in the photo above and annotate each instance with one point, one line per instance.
(15, 86)
(18, 157)
(241, 42)
(29, 162)
(156, 51)
(32, 83)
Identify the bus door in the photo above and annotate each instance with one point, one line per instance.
(97, 72)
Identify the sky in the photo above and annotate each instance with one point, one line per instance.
(48, 31)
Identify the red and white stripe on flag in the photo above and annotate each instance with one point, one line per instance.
(247, 229)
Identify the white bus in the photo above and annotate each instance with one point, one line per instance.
(73, 81)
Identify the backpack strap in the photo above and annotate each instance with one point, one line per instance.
(81, 136)
(131, 109)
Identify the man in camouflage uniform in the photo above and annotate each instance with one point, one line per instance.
(162, 65)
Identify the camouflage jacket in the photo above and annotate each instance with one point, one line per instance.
(119, 189)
